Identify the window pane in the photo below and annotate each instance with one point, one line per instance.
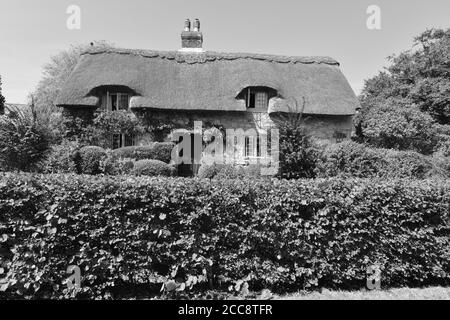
(252, 100)
(258, 147)
(261, 100)
(249, 147)
(113, 99)
(123, 102)
(246, 147)
(117, 141)
(104, 102)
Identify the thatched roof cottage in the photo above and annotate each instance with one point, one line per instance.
(239, 90)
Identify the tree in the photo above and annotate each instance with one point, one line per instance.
(415, 91)
(298, 150)
(2, 99)
(55, 74)
(395, 125)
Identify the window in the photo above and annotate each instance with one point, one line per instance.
(252, 147)
(114, 101)
(122, 140)
(257, 99)
(117, 101)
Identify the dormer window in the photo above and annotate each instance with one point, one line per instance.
(114, 98)
(257, 98)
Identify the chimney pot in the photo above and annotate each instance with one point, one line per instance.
(187, 25)
(191, 40)
(197, 25)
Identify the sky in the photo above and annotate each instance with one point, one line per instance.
(31, 31)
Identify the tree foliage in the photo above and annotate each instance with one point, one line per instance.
(55, 74)
(298, 149)
(404, 106)
(2, 99)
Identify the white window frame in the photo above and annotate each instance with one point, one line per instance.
(118, 96)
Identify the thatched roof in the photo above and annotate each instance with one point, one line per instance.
(209, 80)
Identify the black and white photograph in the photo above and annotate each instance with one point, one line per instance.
(223, 157)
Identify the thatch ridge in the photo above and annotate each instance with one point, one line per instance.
(209, 56)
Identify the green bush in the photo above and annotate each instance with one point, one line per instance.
(61, 158)
(444, 148)
(130, 235)
(228, 171)
(152, 168)
(106, 123)
(349, 158)
(357, 160)
(113, 165)
(441, 166)
(23, 142)
(89, 159)
(406, 164)
(161, 151)
(209, 171)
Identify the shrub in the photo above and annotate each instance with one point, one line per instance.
(441, 166)
(61, 158)
(207, 171)
(89, 159)
(444, 148)
(107, 123)
(152, 168)
(228, 171)
(133, 234)
(23, 142)
(161, 151)
(113, 165)
(357, 160)
(395, 125)
(349, 158)
(252, 170)
(406, 164)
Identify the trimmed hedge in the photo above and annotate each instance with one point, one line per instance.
(129, 235)
(228, 171)
(152, 168)
(161, 151)
(112, 165)
(357, 160)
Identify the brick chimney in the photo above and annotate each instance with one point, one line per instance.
(191, 40)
